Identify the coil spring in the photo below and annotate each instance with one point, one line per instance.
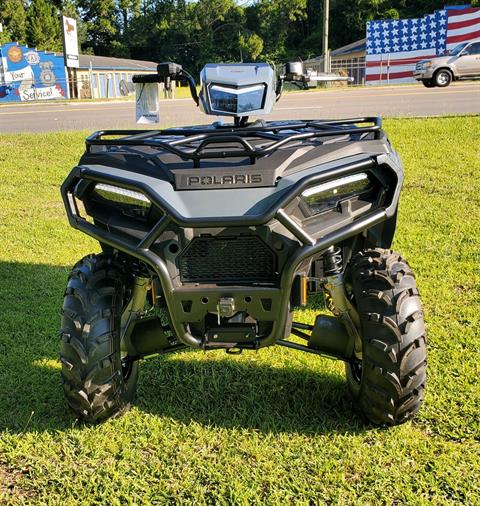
(332, 261)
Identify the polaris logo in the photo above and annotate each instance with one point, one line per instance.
(208, 179)
(226, 180)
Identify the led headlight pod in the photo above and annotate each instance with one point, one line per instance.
(236, 100)
(129, 202)
(122, 195)
(328, 195)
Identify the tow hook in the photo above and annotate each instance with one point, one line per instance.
(225, 308)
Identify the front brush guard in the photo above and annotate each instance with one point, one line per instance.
(173, 295)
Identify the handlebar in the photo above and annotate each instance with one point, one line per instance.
(166, 72)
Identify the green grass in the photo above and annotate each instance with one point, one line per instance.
(273, 427)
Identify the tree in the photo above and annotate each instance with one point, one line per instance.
(43, 26)
(127, 10)
(279, 23)
(251, 45)
(100, 18)
(13, 18)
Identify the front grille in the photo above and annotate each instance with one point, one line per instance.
(242, 259)
(419, 67)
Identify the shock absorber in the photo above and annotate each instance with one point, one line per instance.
(332, 261)
(332, 270)
(335, 294)
(330, 264)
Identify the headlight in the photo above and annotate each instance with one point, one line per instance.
(237, 100)
(128, 202)
(428, 65)
(328, 195)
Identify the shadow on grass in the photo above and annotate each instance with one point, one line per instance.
(233, 394)
(224, 392)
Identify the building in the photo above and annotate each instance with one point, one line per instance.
(350, 51)
(28, 74)
(105, 77)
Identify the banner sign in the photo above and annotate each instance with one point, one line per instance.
(24, 74)
(27, 74)
(70, 42)
(46, 93)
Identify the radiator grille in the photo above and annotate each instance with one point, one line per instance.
(245, 259)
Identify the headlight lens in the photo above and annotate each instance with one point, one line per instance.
(327, 195)
(129, 202)
(235, 101)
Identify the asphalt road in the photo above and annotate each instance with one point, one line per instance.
(460, 98)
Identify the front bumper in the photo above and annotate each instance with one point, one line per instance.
(204, 299)
(423, 74)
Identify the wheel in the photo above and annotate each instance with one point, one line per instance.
(428, 83)
(442, 78)
(97, 383)
(388, 382)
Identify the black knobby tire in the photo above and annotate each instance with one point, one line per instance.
(388, 384)
(96, 383)
(442, 78)
(428, 83)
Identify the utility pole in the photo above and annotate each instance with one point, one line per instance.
(240, 46)
(326, 15)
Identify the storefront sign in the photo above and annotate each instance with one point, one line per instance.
(70, 41)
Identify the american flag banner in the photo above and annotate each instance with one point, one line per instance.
(395, 46)
(463, 26)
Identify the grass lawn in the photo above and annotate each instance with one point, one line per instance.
(275, 427)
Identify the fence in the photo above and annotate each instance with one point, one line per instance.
(351, 67)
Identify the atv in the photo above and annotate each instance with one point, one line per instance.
(212, 235)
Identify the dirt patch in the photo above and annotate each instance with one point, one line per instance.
(10, 480)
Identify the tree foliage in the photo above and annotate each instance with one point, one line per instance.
(43, 28)
(13, 18)
(194, 32)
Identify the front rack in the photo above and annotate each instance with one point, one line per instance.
(194, 142)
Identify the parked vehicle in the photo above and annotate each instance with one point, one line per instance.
(463, 62)
(212, 235)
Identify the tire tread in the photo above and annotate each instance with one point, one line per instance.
(92, 377)
(393, 379)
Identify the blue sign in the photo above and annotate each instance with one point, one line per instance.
(27, 74)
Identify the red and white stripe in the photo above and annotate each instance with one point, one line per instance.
(463, 26)
(394, 68)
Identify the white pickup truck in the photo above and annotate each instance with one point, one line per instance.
(463, 62)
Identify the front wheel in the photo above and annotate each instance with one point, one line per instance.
(442, 78)
(388, 382)
(97, 383)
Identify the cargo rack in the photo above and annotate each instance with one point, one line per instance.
(278, 132)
